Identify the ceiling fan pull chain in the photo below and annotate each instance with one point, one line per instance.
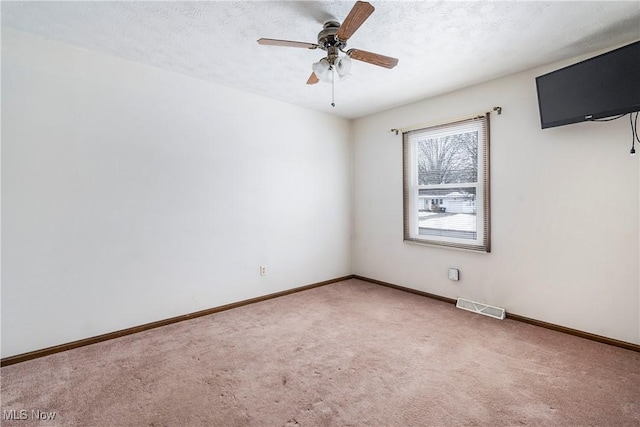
(333, 95)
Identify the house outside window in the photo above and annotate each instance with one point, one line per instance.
(446, 184)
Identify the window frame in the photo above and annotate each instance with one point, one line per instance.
(411, 188)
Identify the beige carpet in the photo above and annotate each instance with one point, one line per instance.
(346, 354)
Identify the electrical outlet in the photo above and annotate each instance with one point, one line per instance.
(263, 270)
(454, 274)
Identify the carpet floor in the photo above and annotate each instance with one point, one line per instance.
(347, 354)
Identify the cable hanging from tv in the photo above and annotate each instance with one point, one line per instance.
(634, 133)
(609, 119)
(634, 128)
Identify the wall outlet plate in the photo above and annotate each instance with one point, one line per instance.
(454, 274)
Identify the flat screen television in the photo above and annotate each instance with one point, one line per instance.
(603, 86)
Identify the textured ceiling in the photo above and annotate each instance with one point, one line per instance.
(442, 45)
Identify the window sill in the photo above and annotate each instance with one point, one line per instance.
(475, 249)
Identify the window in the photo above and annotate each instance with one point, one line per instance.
(446, 184)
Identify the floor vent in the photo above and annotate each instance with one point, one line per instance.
(477, 307)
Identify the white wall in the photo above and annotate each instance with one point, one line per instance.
(565, 213)
(131, 194)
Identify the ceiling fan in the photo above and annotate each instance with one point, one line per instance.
(333, 39)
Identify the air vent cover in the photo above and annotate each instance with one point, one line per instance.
(477, 307)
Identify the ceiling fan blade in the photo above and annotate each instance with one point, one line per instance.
(359, 13)
(286, 43)
(313, 79)
(372, 58)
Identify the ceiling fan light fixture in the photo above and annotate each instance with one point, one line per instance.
(327, 72)
(322, 70)
(343, 67)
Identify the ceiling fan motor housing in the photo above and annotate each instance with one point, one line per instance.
(328, 41)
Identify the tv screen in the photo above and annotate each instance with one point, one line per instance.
(603, 86)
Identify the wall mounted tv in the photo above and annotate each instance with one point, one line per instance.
(603, 86)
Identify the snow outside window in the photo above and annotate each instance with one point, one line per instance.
(446, 184)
